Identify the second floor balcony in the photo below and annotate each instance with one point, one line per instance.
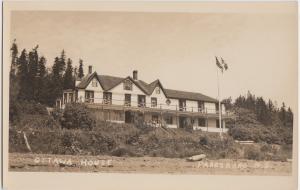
(115, 104)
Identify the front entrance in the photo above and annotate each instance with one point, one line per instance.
(129, 117)
(182, 122)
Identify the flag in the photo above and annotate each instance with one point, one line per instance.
(224, 64)
(219, 64)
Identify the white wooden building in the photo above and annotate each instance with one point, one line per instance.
(120, 99)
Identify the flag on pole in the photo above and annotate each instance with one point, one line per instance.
(224, 64)
(219, 64)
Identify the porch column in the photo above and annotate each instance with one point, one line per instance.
(161, 119)
(177, 122)
(206, 123)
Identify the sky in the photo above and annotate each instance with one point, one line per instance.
(177, 48)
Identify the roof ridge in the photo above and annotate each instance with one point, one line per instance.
(112, 76)
(108, 82)
(208, 98)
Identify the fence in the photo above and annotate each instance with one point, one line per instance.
(154, 105)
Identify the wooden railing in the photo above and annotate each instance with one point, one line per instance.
(160, 106)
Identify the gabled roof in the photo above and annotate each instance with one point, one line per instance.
(152, 86)
(143, 85)
(189, 96)
(155, 84)
(108, 82)
(85, 81)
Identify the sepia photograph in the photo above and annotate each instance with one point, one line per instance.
(139, 91)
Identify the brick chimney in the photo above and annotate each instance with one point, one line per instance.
(135, 75)
(90, 69)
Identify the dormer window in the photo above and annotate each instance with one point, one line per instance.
(157, 90)
(127, 85)
(94, 83)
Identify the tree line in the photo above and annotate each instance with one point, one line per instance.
(32, 80)
(266, 112)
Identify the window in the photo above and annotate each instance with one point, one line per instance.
(182, 105)
(141, 101)
(201, 122)
(168, 102)
(127, 100)
(89, 96)
(107, 97)
(169, 119)
(127, 85)
(200, 106)
(157, 90)
(94, 82)
(153, 102)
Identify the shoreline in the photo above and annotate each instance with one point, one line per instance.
(28, 162)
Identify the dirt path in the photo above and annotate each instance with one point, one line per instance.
(68, 163)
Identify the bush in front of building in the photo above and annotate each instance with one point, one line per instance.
(269, 135)
(77, 116)
(18, 109)
(252, 152)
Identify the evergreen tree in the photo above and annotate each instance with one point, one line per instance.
(13, 81)
(41, 90)
(250, 101)
(33, 61)
(262, 112)
(62, 63)
(14, 59)
(228, 103)
(42, 67)
(289, 118)
(75, 73)
(56, 68)
(80, 71)
(14, 86)
(68, 76)
(282, 114)
(271, 106)
(56, 82)
(22, 74)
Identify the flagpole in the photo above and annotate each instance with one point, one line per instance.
(220, 122)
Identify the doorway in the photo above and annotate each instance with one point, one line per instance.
(182, 122)
(128, 117)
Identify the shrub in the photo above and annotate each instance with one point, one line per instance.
(77, 116)
(266, 148)
(14, 111)
(269, 135)
(253, 153)
(32, 107)
(203, 140)
(17, 109)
